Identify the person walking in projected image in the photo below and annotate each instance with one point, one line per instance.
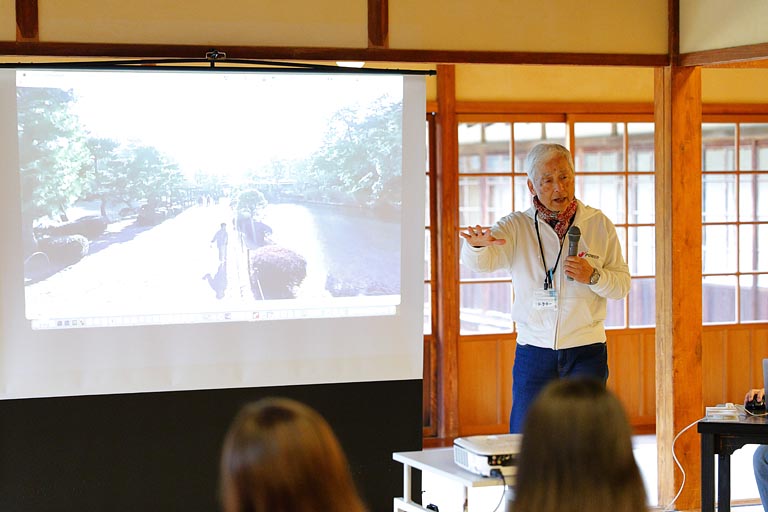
(559, 300)
(281, 455)
(576, 453)
(221, 238)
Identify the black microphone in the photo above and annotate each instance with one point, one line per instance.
(574, 234)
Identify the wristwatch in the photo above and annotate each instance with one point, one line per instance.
(595, 277)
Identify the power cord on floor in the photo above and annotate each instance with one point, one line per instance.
(668, 507)
(496, 473)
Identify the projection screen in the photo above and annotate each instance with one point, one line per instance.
(176, 230)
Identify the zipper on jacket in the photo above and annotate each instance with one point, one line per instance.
(559, 308)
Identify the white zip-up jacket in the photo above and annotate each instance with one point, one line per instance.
(580, 314)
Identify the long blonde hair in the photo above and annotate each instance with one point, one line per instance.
(280, 455)
(576, 453)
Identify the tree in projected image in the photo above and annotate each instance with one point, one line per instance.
(52, 156)
(360, 162)
(63, 166)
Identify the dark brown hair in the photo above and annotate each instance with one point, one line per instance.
(282, 456)
(576, 453)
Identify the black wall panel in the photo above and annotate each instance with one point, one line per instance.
(159, 451)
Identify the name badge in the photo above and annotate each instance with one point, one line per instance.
(545, 299)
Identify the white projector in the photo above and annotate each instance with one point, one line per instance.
(482, 454)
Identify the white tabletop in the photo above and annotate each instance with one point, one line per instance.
(439, 461)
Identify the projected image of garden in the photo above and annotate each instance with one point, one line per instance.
(146, 195)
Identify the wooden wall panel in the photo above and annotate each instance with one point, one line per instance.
(631, 361)
(479, 385)
(731, 365)
(732, 361)
(712, 366)
(485, 383)
(648, 417)
(508, 346)
(737, 352)
(759, 345)
(624, 354)
(429, 388)
(485, 380)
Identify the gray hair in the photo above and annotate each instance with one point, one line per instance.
(544, 152)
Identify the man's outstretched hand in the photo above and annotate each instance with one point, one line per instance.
(478, 236)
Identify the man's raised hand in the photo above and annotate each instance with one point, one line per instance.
(477, 236)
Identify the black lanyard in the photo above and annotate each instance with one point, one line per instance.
(548, 273)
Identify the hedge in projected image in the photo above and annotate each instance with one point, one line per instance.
(154, 199)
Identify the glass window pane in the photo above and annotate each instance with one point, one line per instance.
(718, 299)
(753, 146)
(599, 147)
(484, 199)
(469, 163)
(762, 156)
(470, 133)
(718, 249)
(641, 148)
(718, 142)
(753, 197)
(641, 198)
(746, 158)
(427, 308)
(523, 197)
(754, 298)
(605, 193)
(486, 308)
(528, 135)
(466, 273)
(497, 132)
(497, 163)
(426, 203)
(614, 318)
(718, 198)
(427, 256)
(621, 234)
(753, 248)
(642, 302)
(642, 251)
(484, 147)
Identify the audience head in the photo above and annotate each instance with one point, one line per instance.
(282, 456)
(576, 452)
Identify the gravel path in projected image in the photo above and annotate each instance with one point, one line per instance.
(174, 268)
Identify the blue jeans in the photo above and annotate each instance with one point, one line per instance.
(760, 465)
(535, 367)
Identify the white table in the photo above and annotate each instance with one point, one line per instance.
(437, 461)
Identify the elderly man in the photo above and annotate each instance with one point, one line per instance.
(560, 300)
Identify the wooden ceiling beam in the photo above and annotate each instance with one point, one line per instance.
(99, 50)
(750, 55)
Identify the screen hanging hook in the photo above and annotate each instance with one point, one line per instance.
(214, 55)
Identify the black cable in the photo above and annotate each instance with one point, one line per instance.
(496, 473)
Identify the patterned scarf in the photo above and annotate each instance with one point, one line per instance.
(560, 221)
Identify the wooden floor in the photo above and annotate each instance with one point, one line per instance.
(744, 493)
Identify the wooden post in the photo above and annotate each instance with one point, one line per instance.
(26, 20)
(447, 201)
(678, 281)
(378, 23)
